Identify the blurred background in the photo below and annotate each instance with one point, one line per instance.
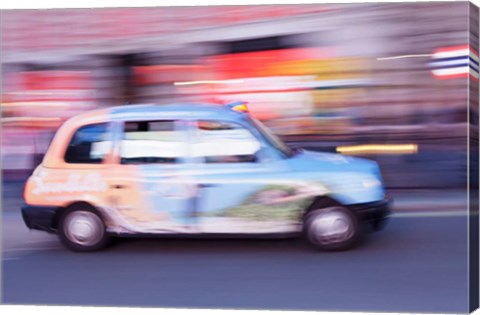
(389, 82)
(326, 77)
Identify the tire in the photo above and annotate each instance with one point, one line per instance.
(82, 229)
(332, 228)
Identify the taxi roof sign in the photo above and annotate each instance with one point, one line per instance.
(239, 106)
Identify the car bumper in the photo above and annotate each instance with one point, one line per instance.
(40, 217)
(376, 213)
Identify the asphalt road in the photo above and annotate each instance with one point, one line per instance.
(418, 264)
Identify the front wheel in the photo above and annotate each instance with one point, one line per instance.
(82, 229)
(332, 228)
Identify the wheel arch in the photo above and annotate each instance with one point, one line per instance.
(320, 202)
(84, 204)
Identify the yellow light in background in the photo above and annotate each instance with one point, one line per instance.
(379, 149)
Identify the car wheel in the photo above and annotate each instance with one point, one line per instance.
(332, 228)
(82, 229)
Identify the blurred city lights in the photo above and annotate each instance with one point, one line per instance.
(209, 82)
(404, 56)
(318, 75)
(379, 149)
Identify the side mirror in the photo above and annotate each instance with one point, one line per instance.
(295, 148)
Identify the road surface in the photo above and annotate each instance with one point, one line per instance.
(417, 264)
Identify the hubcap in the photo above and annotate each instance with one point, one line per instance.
(330, 226)
(83, 228)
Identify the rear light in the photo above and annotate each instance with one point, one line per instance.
(25, 190)
(35, 173)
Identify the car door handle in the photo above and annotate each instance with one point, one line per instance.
(118, 186)
(207, 185)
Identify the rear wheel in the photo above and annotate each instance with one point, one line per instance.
(332, 228)
(82, 229)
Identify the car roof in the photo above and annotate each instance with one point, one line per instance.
(174, 111)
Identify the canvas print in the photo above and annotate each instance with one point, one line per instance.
(276, 157)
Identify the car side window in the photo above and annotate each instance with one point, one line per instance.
(152, 142)
(224, 142)
(89, 145)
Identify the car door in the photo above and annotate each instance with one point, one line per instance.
(243, 184)
(147, 187)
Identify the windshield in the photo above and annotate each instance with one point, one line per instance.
(272, 138)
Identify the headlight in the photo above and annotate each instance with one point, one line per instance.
(371, 182)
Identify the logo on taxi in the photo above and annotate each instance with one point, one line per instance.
(75, 183)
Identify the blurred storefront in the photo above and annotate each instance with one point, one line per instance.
(320, 75)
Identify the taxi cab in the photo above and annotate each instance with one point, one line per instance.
(196, 169)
